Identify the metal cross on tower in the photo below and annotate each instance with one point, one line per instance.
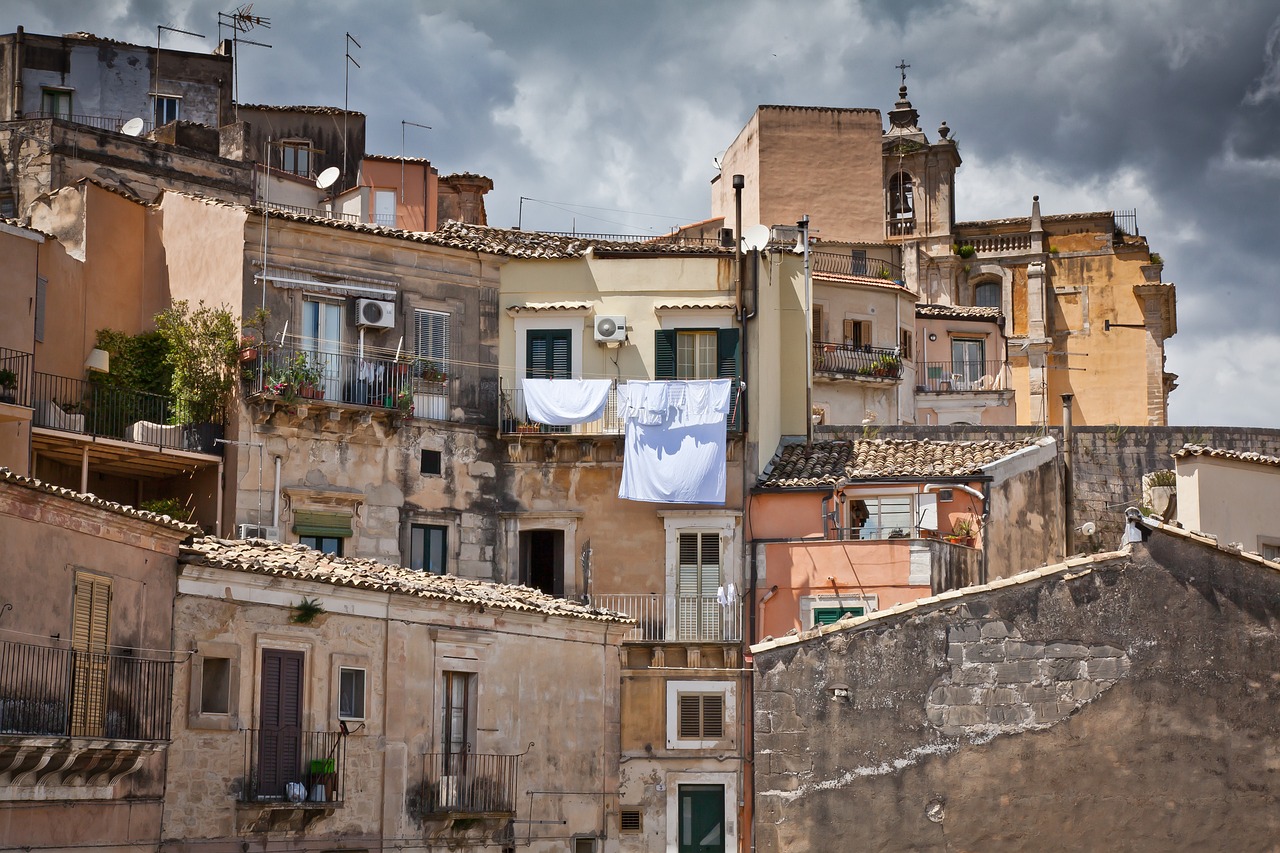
(902, 67)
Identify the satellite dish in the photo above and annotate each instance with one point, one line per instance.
(327, 177)
(717, 161)
(132, 127)
(755, 237)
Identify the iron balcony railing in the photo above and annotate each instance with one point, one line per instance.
(640, 240)
(943, 377)
(290, 765)
(92, 408)
(849, 264)
(857, 361)
(468, 783)
(411, 386)
(58, 692)
(19, 364)
(312, 211)
(113, 123)
(677, 618)
(513, 417)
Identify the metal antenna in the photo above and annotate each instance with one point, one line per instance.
(242, 20)
(402, 126)
(346, 92)
(156, 95)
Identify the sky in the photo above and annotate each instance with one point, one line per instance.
(605, 116)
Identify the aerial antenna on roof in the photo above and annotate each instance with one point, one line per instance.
(242, 20)
(133, 126)
(346, 93)
(402, 126)
(155, 94)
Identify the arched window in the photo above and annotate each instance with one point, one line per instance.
(901, 204)
(986, 294)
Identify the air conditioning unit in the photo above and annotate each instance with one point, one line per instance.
(257, 531)
(611, 329)
(375, 314)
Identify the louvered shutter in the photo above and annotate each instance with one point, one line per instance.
(700, 716)
(664, 354)
(280, 721)
(698, 581)
(817, 323)
(549, 354)
(728, 367)
(90, 625)
(431, 333)
(712, 716)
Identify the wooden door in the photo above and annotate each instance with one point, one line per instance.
(279, 722)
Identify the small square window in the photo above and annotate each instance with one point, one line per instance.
(630, 820)
(432, 461)
(584, 845)
(215, 686)
(350, 693)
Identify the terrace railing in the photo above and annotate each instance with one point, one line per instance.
(856, 361)
(60, 692)
(19, 363)
(841, 264)
(468, 783)
(312, 211)
(112, 123)
(677, 618)
(944, 377)
(276, 760)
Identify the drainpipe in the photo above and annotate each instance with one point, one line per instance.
(1068, 487)
(275, 496)
(19, 54)
(738, 183)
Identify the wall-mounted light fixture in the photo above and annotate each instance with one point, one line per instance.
(99, 360)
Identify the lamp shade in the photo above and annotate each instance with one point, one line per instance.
(99, 360)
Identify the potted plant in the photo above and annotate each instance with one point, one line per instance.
(965, 250)
(404, 402)
(433, 373)
(8, 386)
(963, 530)
(204, 352)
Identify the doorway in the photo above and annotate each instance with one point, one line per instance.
(701, 819)
(280, 722)
(542, 560)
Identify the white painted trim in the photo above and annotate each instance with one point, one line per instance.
(694, 319)
(727, 689)
(808, 603)
(575, 322)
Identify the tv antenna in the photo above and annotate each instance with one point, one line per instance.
(327, 177)
(346, 93)
(242, 20)
(755, 237)
(718, 161)
(160, 28)
(403, 123)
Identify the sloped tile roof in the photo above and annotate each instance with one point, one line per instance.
(543, 307)
(536, 244)
(1188, 450)
(35, 485)
(258, 556)
(957, 312)
(300, 108)
(827, 462)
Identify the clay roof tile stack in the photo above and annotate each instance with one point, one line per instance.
(827, 462)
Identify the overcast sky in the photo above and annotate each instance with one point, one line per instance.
(605, 116)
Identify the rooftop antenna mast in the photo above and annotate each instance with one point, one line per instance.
(156, 93)
(346, 94)
(242, 20)
(403, 123)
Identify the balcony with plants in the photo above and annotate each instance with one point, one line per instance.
(833, 360)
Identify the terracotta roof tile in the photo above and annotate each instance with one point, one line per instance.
(957, 312)
(1188, 450)
(258, 556)
(7, 476)
(300, 108)
(826, 462)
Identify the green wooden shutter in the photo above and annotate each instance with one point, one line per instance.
(727, 354)
(549, 354)
(830, 615)
(664, 354)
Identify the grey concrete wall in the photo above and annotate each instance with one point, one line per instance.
(1109, 462)
(1127, 705)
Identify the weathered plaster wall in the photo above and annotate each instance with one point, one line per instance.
(1129, 704)
(1231, 499)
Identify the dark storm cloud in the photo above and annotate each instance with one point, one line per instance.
(1169, 106)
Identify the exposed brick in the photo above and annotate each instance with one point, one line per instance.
(987, 652)
(955, 653)
(1105, 652)
(965, 715)
(1012, 672)
(1066, 650)
(981, 673)
(995, 630)
(964, 633)
(1019, 649)
(1107, 668)
(1064, 670)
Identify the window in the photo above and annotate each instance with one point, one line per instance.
(1269, 548)
(56, 103)
(295, 157)
(817, 323)
(431, 339)
(889, 517)
(816, 610)
(91, 603)
(432, 462)
(550, 354)
(384, 208)
(857, 333)
(696, 355)
(701, 716)
(967, 364)
(987, 294)
(215, 686)
(699, 612)
(906, 344)
(166, 108)
(322, 340)
(631, 820)
(584, 844)
(350, 693)
(326, 544)
(42, 287)
(427, 548)
(456, 720)
(831, 615)
(8, 205)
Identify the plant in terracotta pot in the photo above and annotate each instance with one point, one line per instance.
(8, 385)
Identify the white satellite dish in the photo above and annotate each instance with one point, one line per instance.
(132, 127)
(755, 237)
(327, 177)
(718, 161)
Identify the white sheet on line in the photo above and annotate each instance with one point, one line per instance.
(675, 440)
(561, 402)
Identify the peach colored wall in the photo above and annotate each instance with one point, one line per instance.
(200, 253)
(1229, 498)
(412, 211)
(798, 515)
(21, 251)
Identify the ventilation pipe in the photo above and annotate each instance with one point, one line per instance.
(1068, 487)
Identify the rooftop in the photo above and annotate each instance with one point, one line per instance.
(258, 556)
(9, 477)
(957, 312)
(1189, 450)
(824, 463)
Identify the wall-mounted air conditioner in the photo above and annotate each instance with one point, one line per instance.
(257, 531)
(375, 314)
(611, 329)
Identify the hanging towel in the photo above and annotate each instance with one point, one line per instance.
(675, 441)
(561, 402)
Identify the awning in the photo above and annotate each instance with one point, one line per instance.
(326, 524)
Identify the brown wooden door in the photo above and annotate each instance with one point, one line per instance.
(280, 722)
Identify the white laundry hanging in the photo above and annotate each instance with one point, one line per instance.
(675, 440)
(562, 402)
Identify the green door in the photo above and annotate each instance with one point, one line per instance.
(701, 819)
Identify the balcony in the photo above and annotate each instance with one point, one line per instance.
(277, 761)
(19, 393)
(962, 377)
(301, 377)
(312, 211)
(998, 244)
(514, 421)
(79, 720)
(677, 618)
(847, 264)
(467, 784)
(114, 123)
(848, 361)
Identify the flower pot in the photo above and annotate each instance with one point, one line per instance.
(249, 354)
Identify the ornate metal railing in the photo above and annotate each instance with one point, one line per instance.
(92, 408)
(961, 376)
(841, 264)
(851, 360)
(50, 692)
(468, 783)
(277, 760)
(677, 618)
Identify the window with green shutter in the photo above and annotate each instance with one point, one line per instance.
(549, 354)
(831, 615)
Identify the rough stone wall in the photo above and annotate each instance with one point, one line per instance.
(1129, 703)
(1109, 461)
